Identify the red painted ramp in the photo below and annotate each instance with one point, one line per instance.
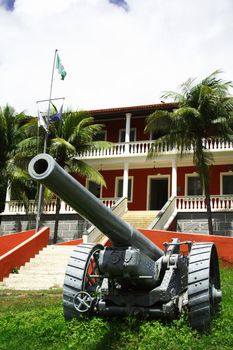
(224, 244)
(18, 248)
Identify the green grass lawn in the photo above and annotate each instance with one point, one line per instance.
(34, 320)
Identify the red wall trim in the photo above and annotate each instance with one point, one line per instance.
(10, 241)
(223, 244)
(19, 248)
(74, 242)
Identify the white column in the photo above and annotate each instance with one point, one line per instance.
(125, 179)
(174, 178)
(127, 132)
(8, 198)
(126, 164)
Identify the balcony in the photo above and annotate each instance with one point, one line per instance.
(182, 203)
(15, 207)
(141, 148)
(198, 203)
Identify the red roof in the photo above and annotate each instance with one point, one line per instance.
(137, 109)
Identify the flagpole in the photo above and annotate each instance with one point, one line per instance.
(51, 99)
(41, 187)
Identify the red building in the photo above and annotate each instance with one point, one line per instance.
(166, 182)
(149, 183)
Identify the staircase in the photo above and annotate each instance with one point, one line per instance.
(140, 218)
(45, 271)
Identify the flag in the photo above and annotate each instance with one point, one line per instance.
(120, 3)
(60, 67)
(56, 117)
(42, 122)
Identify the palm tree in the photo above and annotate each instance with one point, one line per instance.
(3, 144)
(68, 139)
(9, 121)
(203, 111)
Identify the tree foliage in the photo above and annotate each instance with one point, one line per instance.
(10, 136)
(67, 140)
(204, 111)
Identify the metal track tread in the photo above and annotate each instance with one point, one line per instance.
(76, 276)
(204, 295)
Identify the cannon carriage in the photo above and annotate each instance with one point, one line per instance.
(133, 275)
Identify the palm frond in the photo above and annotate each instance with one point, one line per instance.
(83, 169)
(3, 139)
(16, 173)
(73, 119)
(99, 145)
(159, 121)
(220, 86)
(186, 88)
(30, 128)
(59, 145)
(173, 96)
(228, 104)
(30, 145)
(161, 144)
(84, 133)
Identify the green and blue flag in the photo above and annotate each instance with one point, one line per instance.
(60, 68)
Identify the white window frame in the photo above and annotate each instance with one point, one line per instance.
(117, 178)
(123, 130)
(229, 173)
(195, 174)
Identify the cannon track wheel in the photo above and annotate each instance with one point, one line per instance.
(204, 293)
(81, 280)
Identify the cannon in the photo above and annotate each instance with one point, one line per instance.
(133, 275)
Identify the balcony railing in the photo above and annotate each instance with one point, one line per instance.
(183, 203)
(141, 148)
(19, 207)
(198, 203)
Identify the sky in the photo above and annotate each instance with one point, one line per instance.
(116, 53)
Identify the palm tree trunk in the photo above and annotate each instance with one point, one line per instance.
(203, 169)
(208, 204)
(58, 207)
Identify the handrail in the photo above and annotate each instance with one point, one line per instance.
(14, 207)
(183, 203)
(141, 148)
(198, 203)
(189, 204)
(165, 216)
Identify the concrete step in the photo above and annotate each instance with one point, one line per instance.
(37, 272)
(139, 218)
(45, 271)
(59, 251)
(35, 285)
(44, 260)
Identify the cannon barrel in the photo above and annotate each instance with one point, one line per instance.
(47, 171)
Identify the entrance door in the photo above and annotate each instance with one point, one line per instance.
(158, 193)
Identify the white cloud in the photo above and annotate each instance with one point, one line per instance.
(112, 57)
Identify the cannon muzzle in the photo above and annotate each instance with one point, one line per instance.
(47, 171)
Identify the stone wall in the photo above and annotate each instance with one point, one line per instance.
(71, 226)
(197, 223)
